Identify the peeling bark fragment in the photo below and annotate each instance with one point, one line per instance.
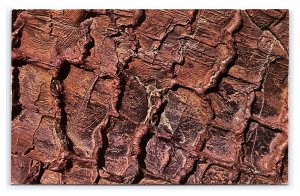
(121, 155)
(123, 18)
(149, 96)
(251, 61)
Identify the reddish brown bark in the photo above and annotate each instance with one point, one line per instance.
(149, 97)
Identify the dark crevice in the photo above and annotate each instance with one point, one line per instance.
(284, 159)
(138, 177)
(16, 38)
(39, 176)
(194, 16)
(238, 29)
(238, 178)
(28, 150)
(19, 62)
(57, 92)
(142, 156)
(116, 34)
(64, 71)
(144, 141)
(173, 67)
(62, 75)
(188, 174)
(63, 124)
(176, 86)
(111, 14)
(102, 151)
(96, 181)
(157, 116)
(14, 16)
(203, 145)
(140, 18)
(247, 127)
(89, 46)
(68, 166)
(35, 174)
(16, 105)
(122, 87)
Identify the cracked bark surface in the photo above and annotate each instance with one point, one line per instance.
(149, 97)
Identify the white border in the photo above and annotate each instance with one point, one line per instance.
(294, 128)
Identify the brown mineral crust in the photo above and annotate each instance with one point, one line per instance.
(149, 97)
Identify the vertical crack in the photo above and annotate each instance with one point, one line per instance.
(122, 86)
(142, 156)
(61, 71)
(139, 18)
(189, 173)
(35, 174)
(16, 105)
(102, 151)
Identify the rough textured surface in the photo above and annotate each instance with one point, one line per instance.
(149, 97)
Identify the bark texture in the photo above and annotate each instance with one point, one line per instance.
(149, 97)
